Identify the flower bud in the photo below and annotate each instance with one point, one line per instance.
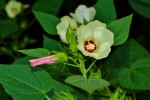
(57, 58)
(61, 57)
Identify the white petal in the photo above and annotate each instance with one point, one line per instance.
(89, 14)
(93, 25)
(88, 31)
(80, 9)
(103, 51)
(103, 35)
(63, 26)
(71, 21)
(79, 13)
(92, 12)
(80, 29)
(62, 29)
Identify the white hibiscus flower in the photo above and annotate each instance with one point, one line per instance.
(13, 8)
(95, 40)
(63, 26)
(84, 14)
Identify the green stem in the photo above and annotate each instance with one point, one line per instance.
(90, 97)
(80, 65)
(47, 97)
(90, 66)
(134, 96)
(71, 65)
(72, 60)
(82, 68)
(108, 91)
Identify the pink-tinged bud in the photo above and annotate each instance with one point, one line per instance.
(59, 57)
(26, 6)
(43, 60)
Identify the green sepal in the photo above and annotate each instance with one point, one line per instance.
(71, 38)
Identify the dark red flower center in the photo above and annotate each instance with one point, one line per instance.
(89, 46)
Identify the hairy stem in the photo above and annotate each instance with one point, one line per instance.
(47, 97)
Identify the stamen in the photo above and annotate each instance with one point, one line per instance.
(89, 46)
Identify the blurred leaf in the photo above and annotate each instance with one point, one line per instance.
(2, 4)
(47, 21)
(51, 44)
(143, 95)
(141, 6)
(120, 28)
(7, 28)
(137, 76)
(51, 6)
(22, 84)
(123, 58)
(105, 11)
(88, 85)
(38, 52)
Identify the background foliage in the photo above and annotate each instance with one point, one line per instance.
(130, 61)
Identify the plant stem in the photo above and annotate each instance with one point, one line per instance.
(82, 68)
(71, 65)
(90, 66)
(108, 91)
(47, 97)
(134, 96)
(90, 97)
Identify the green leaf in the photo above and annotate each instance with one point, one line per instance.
(2, 4)
(137, 76)
(123, 57)
(118, 95)
(47, 21)
(22, 84)
(23, 60)
(50, 6)
(105, 11)
(7, 28)
(60, 87)
(51, 44)
(3, 95)
(141, 6)
(88, 85)
(121, 29)
(71, 38)
(38, 52)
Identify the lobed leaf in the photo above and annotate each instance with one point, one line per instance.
(88, 85)
(123, 57)
(22, 84)
(137, 76)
